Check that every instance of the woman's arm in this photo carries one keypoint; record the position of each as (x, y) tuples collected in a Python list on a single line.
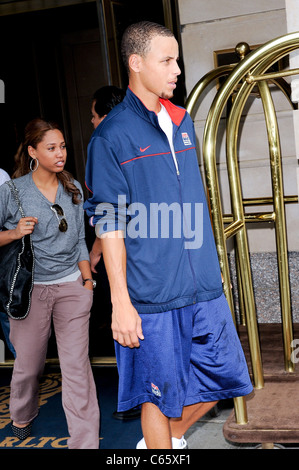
[(25, 226), (84, 267)]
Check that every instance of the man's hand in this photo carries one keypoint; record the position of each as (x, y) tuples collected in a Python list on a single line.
[(95, 254), (126, 326), (126, 323), (94, 260)]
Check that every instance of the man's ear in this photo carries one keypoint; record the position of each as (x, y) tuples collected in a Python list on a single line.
[(135, 61)]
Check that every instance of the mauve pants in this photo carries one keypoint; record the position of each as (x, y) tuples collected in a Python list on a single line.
[(69, 305)]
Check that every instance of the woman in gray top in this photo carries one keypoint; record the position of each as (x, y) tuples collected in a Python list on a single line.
[(52, 201)]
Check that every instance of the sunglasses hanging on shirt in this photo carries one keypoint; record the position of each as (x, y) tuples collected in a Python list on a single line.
[(58, 211)]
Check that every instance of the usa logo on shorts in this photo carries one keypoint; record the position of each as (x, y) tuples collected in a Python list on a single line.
[(186, 138), (155, 390)]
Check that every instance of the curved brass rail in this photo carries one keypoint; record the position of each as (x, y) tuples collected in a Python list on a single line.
[(253, 65), (264, 56), (203, 83)]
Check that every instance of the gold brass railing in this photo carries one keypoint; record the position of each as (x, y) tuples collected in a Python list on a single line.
[(249, 72)]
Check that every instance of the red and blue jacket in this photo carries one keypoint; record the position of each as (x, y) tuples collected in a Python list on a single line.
[(159, 203)]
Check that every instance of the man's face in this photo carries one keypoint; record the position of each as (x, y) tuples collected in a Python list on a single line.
[(95, 118), (159, 68)]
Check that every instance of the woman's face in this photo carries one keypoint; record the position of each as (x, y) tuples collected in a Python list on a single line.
[(50, 152)]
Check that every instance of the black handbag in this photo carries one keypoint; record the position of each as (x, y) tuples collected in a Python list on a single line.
[(16, 271)]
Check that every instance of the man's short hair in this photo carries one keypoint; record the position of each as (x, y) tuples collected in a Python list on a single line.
[(106, 97), (137, 37)]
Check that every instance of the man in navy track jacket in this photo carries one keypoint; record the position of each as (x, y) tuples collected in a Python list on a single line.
[(176, 345)]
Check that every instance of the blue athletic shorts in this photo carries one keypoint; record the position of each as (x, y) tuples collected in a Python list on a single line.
[(188, 355)]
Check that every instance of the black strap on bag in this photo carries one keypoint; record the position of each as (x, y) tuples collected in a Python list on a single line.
[(16, 271)]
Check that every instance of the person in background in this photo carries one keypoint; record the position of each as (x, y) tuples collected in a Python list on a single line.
[(63, 286), (176, 344), (4, 176), (104, 99)]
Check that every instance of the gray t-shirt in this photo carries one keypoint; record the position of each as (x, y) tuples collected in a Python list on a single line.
[(56, 253)]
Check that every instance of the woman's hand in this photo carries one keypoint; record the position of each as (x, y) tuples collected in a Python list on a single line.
[(84, 267), (88, 285), (25, 226)]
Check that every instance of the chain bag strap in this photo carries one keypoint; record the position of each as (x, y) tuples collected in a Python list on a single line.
[(16, 271)]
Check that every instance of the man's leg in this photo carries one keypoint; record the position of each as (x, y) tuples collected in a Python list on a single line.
[(191, 414), (158, 429), (155, 427)]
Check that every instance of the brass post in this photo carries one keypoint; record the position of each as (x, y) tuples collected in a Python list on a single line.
[(241, 237), (280, 228), (240, 410)]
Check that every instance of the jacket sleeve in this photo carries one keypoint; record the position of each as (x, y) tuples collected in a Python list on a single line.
[(110, 196)]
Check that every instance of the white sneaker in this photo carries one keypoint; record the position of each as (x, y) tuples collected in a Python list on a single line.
[(176, 443), (179, 443)]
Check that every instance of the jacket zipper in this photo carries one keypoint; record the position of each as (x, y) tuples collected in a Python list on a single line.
[(181, 202), (175, 163)]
